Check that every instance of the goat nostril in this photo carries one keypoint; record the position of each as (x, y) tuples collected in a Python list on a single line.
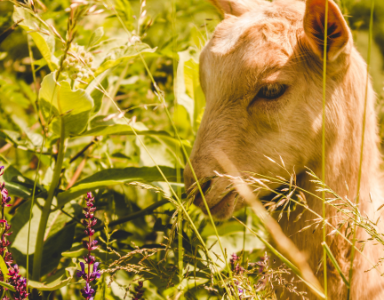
[(205, 187)]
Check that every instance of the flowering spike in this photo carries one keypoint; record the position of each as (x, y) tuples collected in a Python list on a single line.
[(90, 245), (18, 282), (139, 291)]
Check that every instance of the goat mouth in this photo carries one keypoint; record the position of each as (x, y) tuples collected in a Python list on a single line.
[(224, 207), (221, 209)]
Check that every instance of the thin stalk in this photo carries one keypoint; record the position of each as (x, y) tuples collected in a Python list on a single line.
[(335, 264), (323, 143), (362, 141), (34, 79), (180, 246), (244, 236), (37, 260), (38, 163), (177, 151)]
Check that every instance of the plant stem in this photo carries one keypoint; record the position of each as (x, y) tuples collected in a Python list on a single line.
[(178, 153), (323, 143), (47, 206)]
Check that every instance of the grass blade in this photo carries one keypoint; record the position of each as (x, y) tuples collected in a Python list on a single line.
[(334, 262)]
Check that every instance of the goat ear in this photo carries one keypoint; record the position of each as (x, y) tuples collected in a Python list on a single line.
[(235, 7), (339, 36)]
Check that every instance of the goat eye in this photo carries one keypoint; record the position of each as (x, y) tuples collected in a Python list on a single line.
[(271, 91)]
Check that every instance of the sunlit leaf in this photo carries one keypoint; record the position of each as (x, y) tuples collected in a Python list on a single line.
[(188, 89), (110, 177), (60, 241), (7, 285), (79, 252), (45, 43), (19, 185), (54, 282), (4, 268), (96, 36), (124, 11), (119, 129), (58, 99), (122, 54)]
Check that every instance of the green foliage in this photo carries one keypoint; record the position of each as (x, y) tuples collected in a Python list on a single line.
[(94, 83), (57, 99), (111, 177), (45, 43)]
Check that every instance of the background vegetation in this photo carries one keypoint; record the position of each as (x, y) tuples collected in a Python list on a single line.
[(138, 104)]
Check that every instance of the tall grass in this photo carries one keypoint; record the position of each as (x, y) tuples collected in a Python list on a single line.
[(325, 56)]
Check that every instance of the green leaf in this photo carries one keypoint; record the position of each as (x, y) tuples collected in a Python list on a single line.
[(62, 97), (45, 43), (122, 54), (16, 139), (54, 282), (154, 138), (58, 219), (8, 286), (156, 152), (110, 177), (4, 268), (79, 252), (35, 138), (186, 285), (188, 89), (124, 11), (58, 99), (54, 245), (120, 129), (19, 185), (96, 36)]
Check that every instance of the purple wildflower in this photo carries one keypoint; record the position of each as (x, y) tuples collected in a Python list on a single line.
[(139, 291), (18, 282), (90, 245), (235, 267), (88, 292), (263, 262), (82, 272), (233, 260), (95, 274)]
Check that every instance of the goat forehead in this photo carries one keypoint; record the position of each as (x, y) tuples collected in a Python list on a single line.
[(258, 46), (261, 48), (253, 28), (229, 31)]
